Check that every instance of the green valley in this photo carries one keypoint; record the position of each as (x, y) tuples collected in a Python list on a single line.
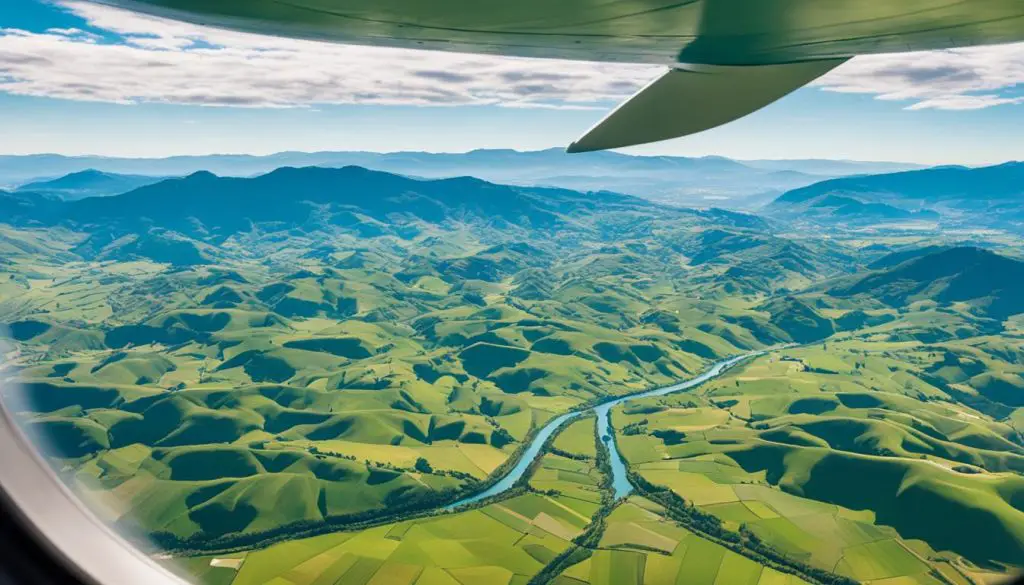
[(286, 379)]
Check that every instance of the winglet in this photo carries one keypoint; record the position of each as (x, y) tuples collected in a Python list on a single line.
[(692, 98)]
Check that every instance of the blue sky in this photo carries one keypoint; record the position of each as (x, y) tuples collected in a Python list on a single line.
[(82, 79)]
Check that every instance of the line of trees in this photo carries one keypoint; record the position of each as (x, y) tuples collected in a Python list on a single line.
[(635, 428), (568, 455)]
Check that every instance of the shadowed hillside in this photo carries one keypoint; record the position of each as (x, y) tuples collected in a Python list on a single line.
[(991, 282)]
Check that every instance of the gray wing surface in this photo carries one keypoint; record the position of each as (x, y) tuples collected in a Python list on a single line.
[(690, 99)]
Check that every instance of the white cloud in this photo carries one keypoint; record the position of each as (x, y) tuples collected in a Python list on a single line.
[(163, 61), (169, 62), (73, 32), (958, 79)]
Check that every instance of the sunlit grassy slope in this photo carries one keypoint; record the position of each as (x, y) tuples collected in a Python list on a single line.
[(243, 368)]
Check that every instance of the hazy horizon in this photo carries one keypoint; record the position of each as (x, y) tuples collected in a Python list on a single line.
[(624, 152)]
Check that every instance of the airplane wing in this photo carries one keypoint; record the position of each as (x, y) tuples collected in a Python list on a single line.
[(692, 98)]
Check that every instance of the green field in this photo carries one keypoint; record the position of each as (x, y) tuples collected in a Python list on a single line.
[(626, 556), (578, 438)]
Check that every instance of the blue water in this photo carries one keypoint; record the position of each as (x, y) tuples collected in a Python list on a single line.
[(620, 482)]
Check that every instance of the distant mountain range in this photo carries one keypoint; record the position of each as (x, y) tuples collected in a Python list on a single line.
[(204, 202), (703, 181), (166, 220), (88, 183), (953, 196), (950, 197), (186, 221)]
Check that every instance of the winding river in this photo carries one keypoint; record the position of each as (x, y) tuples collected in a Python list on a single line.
[(620, 482)]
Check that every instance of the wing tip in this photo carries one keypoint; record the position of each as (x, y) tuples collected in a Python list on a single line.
[(575, 147)]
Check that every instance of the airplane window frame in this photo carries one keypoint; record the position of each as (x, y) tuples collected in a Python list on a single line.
[(49, 536)]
